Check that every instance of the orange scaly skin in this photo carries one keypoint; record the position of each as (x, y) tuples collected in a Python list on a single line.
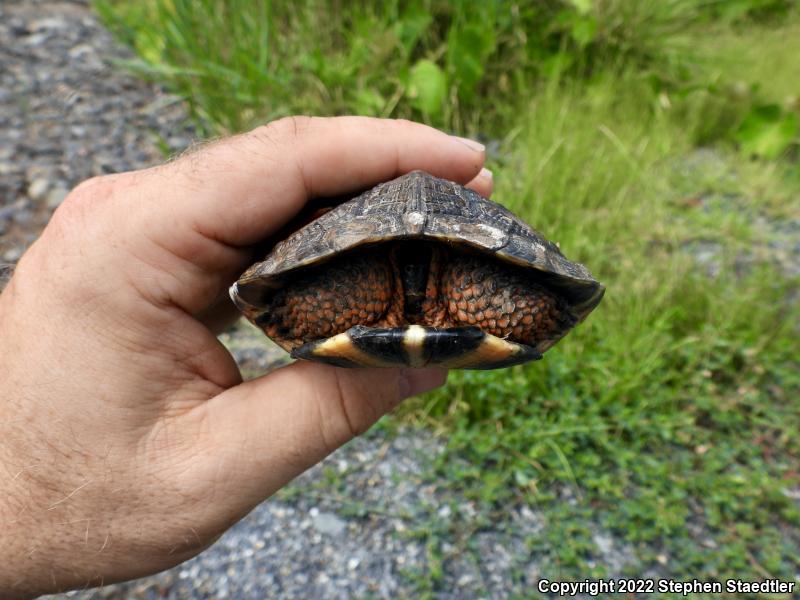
[(330, 299), (366, 289), (501, 301)]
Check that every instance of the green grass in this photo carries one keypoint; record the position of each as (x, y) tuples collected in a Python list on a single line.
[(761, 56), (241, 62), (671, 414), (672, 404)]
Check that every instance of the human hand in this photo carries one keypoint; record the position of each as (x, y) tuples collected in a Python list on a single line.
[(128, 442)]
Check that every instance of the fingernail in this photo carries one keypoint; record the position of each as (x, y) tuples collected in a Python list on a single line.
[(417, 381), (471, 144), (486, 174)]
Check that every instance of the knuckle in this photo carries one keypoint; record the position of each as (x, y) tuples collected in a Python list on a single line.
[(284, 130), (406, 125), (84, 198)]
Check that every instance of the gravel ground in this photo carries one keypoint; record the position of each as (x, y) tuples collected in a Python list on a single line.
[(66, 114), (775, 241), (355, 526), (360, 524)]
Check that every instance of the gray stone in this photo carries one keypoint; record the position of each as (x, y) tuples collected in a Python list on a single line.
[(604, 543), (56, 196), (62, 108), (707, 254), (47, 23), (328, 524), (12, 255), (38, 189)]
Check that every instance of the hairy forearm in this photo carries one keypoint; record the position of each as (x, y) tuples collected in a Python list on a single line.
[(16, 581), (28, 564), (41, 539)]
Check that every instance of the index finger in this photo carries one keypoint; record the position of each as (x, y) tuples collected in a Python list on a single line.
[(244, 188)]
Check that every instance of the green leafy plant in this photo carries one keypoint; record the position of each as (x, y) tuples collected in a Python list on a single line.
[(767, 131), (427, 88)]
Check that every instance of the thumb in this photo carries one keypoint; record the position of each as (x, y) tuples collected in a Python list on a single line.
[(269, 430)]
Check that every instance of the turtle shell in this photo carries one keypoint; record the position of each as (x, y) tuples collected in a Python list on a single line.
[(415, 232)]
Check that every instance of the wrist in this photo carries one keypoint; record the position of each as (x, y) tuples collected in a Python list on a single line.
[(15, 579), (34, 559)]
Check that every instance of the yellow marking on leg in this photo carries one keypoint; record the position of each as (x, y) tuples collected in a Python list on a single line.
[(341, 346), (492, 349)]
